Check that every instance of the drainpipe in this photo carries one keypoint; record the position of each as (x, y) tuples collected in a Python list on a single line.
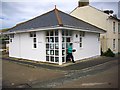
[(60, 46)]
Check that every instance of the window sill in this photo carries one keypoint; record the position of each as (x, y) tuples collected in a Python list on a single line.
[(34, 48), (80, 48)]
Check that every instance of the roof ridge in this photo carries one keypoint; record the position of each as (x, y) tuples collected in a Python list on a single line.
[(58, 17)]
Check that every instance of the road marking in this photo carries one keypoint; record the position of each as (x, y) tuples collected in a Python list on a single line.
[(93, 84)]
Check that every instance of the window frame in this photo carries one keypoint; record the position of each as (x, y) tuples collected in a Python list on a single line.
[(114, 27), (118, 27), (81, 35), (114, 44), (32, 34)]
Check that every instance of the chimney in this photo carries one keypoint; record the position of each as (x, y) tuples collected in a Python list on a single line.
[(82, 3)]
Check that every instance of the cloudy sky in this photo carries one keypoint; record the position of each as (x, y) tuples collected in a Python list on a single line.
[(16, 11)]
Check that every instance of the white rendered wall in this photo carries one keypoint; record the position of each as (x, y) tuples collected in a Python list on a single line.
[(14, 46), (91, 46), (22, 47)]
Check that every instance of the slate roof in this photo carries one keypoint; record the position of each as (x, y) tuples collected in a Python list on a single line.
[(55, 18)]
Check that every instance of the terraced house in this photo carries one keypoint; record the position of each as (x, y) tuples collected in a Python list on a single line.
[(102, 19), (46, 38)]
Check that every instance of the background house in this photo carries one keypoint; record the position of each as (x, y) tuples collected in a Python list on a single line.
[(102, 19), (46, 38)]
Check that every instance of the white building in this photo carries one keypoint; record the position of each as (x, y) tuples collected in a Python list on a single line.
[(46, 37)]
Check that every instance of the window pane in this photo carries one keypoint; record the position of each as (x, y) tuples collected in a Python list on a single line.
[(31, 35), (34, 34), (70, 33), (56, 46), (119, 27), (63, 59), (63, 39), (47, 39), (113, 26), (63, 32), (51, 39), (51, 33), (51, 52), (113, 43), (63, 52), (80, 39), (47, 45), (66, 32), (11, 35), (56, 39), (56, 52), (80, 44), (51, 45), (47, 52), (47, 33), (68, 39), (67, 45), (47, 58), (56, 59), (10, 40), (56, 32), (52, 58), (35, 46), (34, 40), (63, 45)]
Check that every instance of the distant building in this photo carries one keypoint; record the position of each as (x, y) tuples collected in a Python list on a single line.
[(46, 38), (101, 19)]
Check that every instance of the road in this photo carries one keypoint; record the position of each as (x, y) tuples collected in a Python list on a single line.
[(105, 75), (79, 75)]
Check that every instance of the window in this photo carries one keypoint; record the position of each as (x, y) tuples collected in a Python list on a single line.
[(35, 46), (82, 34), (52, 46), (11, 35), (98, 37), (34, 39), (32, 34), (80, 41), (10, 40), (114, 27), (34, 42), (118, 27), (113, 44), (80, 38)]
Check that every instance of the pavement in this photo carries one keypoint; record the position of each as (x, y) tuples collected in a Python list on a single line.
[(81, 64), (19, 73), (15, 74)]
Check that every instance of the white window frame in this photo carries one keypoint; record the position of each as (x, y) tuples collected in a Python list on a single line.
[(33, 36), (114, 27), (81, 35), (114, 44), (118, 27)]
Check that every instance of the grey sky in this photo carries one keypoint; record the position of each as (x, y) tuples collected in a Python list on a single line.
[(16, 12)]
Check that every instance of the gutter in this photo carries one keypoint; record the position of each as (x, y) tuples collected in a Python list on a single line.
[(65, 27)]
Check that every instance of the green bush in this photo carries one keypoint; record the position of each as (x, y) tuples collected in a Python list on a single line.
[(109, 53)]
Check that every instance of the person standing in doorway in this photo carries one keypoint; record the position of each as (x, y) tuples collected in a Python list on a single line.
[(69, 53)]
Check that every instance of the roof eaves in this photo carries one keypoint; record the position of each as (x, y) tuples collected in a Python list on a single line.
[(115, 18)]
